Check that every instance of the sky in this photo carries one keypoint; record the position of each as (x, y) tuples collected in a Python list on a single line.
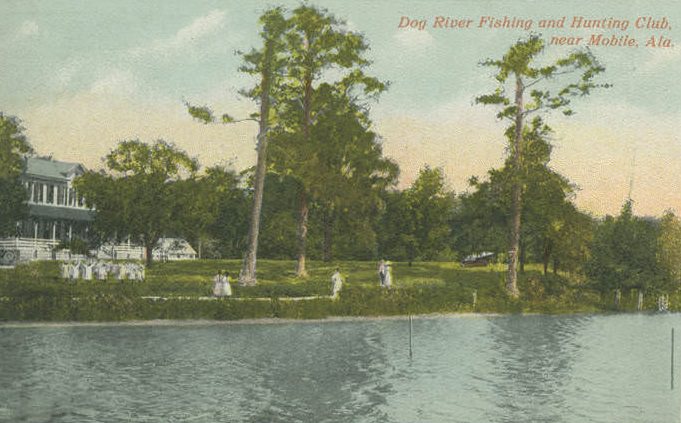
[(84, 75)]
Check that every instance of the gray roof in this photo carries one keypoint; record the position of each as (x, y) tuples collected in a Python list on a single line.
[(51, 168), (61, 213)]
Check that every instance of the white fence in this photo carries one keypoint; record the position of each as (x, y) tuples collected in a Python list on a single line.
[(46, 249), (37, 249)]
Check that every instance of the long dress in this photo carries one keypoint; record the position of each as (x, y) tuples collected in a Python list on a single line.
[(336, 284), (226, 287), (87, 272), (388, 277), (75, 271), (382, 272), (217, 285)]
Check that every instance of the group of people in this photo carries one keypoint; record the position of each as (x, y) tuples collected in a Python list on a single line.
[(221, 284), (223, 288), (100, 270), (384, 275)]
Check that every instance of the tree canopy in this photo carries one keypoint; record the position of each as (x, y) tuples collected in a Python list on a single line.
[(138, 196), (13, 148)]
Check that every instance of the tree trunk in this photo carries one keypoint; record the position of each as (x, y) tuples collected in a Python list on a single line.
[(328, 235), (522, 257), (516, 207), (546, 256), (149, 253), (247, 276), (639, 303), (304, 208), (618, 297), (556, 263), (302, 235)]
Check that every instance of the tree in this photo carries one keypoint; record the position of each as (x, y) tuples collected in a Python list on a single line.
[(316, 43), (554, 231), (517, 69), (13, 147), (669, 248), (417, 221), (266, 63), (346, 158), (232, 207), (211, 212), (624, 253), (137, 197)]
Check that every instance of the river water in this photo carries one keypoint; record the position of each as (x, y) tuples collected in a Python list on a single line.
[(606, 368)]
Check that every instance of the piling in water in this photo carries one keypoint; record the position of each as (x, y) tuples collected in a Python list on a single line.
[(410, 332)]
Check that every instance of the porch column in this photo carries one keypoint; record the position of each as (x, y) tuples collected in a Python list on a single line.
[(32, 191), (35, 240), (54, 231), (70, 231), (44, 194), (68, 188), (55, 196)]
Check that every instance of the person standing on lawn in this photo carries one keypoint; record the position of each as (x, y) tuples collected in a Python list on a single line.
[(387, 279), (336, 283), (381, 272), (217, 284), (226, 287)]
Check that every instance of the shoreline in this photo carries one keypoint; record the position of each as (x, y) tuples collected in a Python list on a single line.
[(282, 321), (248, 321)]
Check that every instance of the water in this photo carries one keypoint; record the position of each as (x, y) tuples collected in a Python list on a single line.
[(465, 369)]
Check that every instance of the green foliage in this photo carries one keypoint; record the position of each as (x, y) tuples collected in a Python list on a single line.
[(624, 253), (519, 62), (13, 148), (416, 223), (35, 292), (517, 72), (322, 132), (141, 196), (201, 113), (75, 246), (669, 248)]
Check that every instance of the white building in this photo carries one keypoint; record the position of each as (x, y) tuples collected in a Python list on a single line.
[(57, 214)]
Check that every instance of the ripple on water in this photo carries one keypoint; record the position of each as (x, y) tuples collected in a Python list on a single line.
[(494, 369)]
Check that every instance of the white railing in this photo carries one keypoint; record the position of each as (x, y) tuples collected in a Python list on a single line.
[(45, 249)]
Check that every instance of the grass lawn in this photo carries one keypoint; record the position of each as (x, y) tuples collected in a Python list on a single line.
[(35, 292)]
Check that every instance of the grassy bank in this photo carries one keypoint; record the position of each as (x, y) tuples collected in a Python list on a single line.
[(35, 292)]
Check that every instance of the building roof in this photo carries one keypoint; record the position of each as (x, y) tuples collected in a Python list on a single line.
[(61, 213), (52, 169)]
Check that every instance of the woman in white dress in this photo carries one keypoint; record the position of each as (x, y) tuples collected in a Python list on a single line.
[(336, 283), (387, 281), (217, 284), (226, 286)]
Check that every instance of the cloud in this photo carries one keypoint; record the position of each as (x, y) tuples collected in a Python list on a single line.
[(28, 29), (185, 37), (660, 58), (413, 39), (118, 82)]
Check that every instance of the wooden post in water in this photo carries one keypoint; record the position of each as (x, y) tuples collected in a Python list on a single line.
[(475, 298), (672, 360), (410, 331)]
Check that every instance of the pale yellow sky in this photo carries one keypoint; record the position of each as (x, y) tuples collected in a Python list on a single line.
[(462, 139)]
